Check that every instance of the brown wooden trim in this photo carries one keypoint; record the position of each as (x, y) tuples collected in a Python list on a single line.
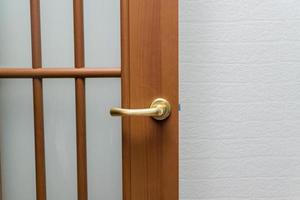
[(125, 80), (150, 70), (82, 188), (78, 33), (39, 139), (36, 34), (81, 140), (59, 72), (169, 89), (38, 101)]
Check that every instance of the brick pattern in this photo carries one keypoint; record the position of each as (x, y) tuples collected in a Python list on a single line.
[(240, 99)]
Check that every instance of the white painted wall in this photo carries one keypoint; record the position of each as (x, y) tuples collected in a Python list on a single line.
[(240, 96)]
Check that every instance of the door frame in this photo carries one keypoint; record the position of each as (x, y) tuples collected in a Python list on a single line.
[(149, 32)]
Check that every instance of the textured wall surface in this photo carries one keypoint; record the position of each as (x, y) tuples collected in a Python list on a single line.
[(240, 98)]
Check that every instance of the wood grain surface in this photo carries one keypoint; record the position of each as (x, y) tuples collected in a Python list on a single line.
[(82, 188), (150, 70), (38, 101)]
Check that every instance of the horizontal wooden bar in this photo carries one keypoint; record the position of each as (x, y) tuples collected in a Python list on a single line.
[(59, 72)]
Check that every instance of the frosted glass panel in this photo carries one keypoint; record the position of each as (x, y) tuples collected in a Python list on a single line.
[(103, 140), (60, 139), (17, 140), (15, 42), (57, 32), (102, 46), (102, 33)]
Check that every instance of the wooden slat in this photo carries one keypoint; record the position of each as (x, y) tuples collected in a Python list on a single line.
[(169, 90), (150, 70), (59, 72), (125, 80), (39, 139), (38, 101), (80, 101)]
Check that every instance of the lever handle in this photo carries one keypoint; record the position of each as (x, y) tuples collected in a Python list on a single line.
[(160, 109)]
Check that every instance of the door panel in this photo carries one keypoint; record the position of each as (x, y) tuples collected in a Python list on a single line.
[(15, 49), (60, 138), (103, 133), (16, 140), (102, 33), (104, 140), (57, 33)]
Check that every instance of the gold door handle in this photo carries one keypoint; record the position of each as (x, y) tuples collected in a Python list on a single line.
[(160, 109)]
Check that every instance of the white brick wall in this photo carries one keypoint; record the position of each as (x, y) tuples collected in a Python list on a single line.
[(240, 97)]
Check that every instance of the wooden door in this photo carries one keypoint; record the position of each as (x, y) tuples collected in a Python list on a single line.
[(149, 69)]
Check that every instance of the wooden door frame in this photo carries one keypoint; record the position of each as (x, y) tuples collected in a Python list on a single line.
[(149, 32), (149, 69)]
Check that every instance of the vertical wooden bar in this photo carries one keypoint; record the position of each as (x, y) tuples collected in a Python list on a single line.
[(80, 102), (125, 80), (38, 101)]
